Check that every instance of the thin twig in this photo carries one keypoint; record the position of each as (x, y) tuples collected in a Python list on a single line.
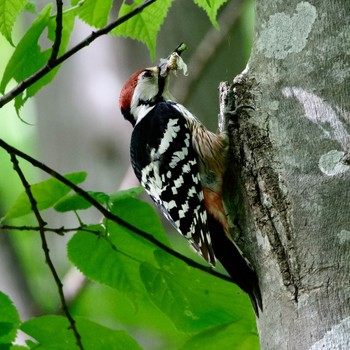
[(108, 215), (87, 41), (58, 34), (59, 230), (45, 247)]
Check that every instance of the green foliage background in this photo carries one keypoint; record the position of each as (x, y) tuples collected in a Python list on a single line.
[(136, 295)]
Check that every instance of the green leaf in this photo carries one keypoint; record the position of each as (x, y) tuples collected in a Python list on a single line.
[(97, 337), (131, 192), (192, 299), (211, 7), (95, 12), (141, 215), (117, 308), (145, 25), (28, 56), (9, 10), (72, 202), (9, 320), (75, 202), (114, 258), (101, 261), (46, 194), (54, 333), (236, 335), (30, 7)]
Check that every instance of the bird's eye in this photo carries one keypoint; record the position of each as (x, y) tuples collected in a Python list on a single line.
[(147, 74)]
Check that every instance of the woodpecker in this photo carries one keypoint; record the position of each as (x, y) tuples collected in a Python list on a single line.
[(181, 166)]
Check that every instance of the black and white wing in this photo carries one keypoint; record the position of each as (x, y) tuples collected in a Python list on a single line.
[(168, 170)]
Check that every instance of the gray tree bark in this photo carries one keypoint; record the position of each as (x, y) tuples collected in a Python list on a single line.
[(289, 181)]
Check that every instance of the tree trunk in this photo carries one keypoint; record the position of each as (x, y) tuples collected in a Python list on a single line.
[(289, 181)]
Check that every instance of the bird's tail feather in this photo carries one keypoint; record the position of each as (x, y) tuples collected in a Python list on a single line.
[(235, 264)]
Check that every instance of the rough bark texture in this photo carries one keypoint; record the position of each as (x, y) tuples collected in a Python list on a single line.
[(289, 179)]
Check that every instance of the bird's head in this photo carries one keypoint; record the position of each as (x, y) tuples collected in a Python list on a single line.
[(148, 86), (142, 90)]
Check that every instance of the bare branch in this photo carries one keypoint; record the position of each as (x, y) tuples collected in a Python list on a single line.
[(56, 62), (45, 247)]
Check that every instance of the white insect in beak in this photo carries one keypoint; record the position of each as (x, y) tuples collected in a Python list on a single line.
[(173, 63)]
